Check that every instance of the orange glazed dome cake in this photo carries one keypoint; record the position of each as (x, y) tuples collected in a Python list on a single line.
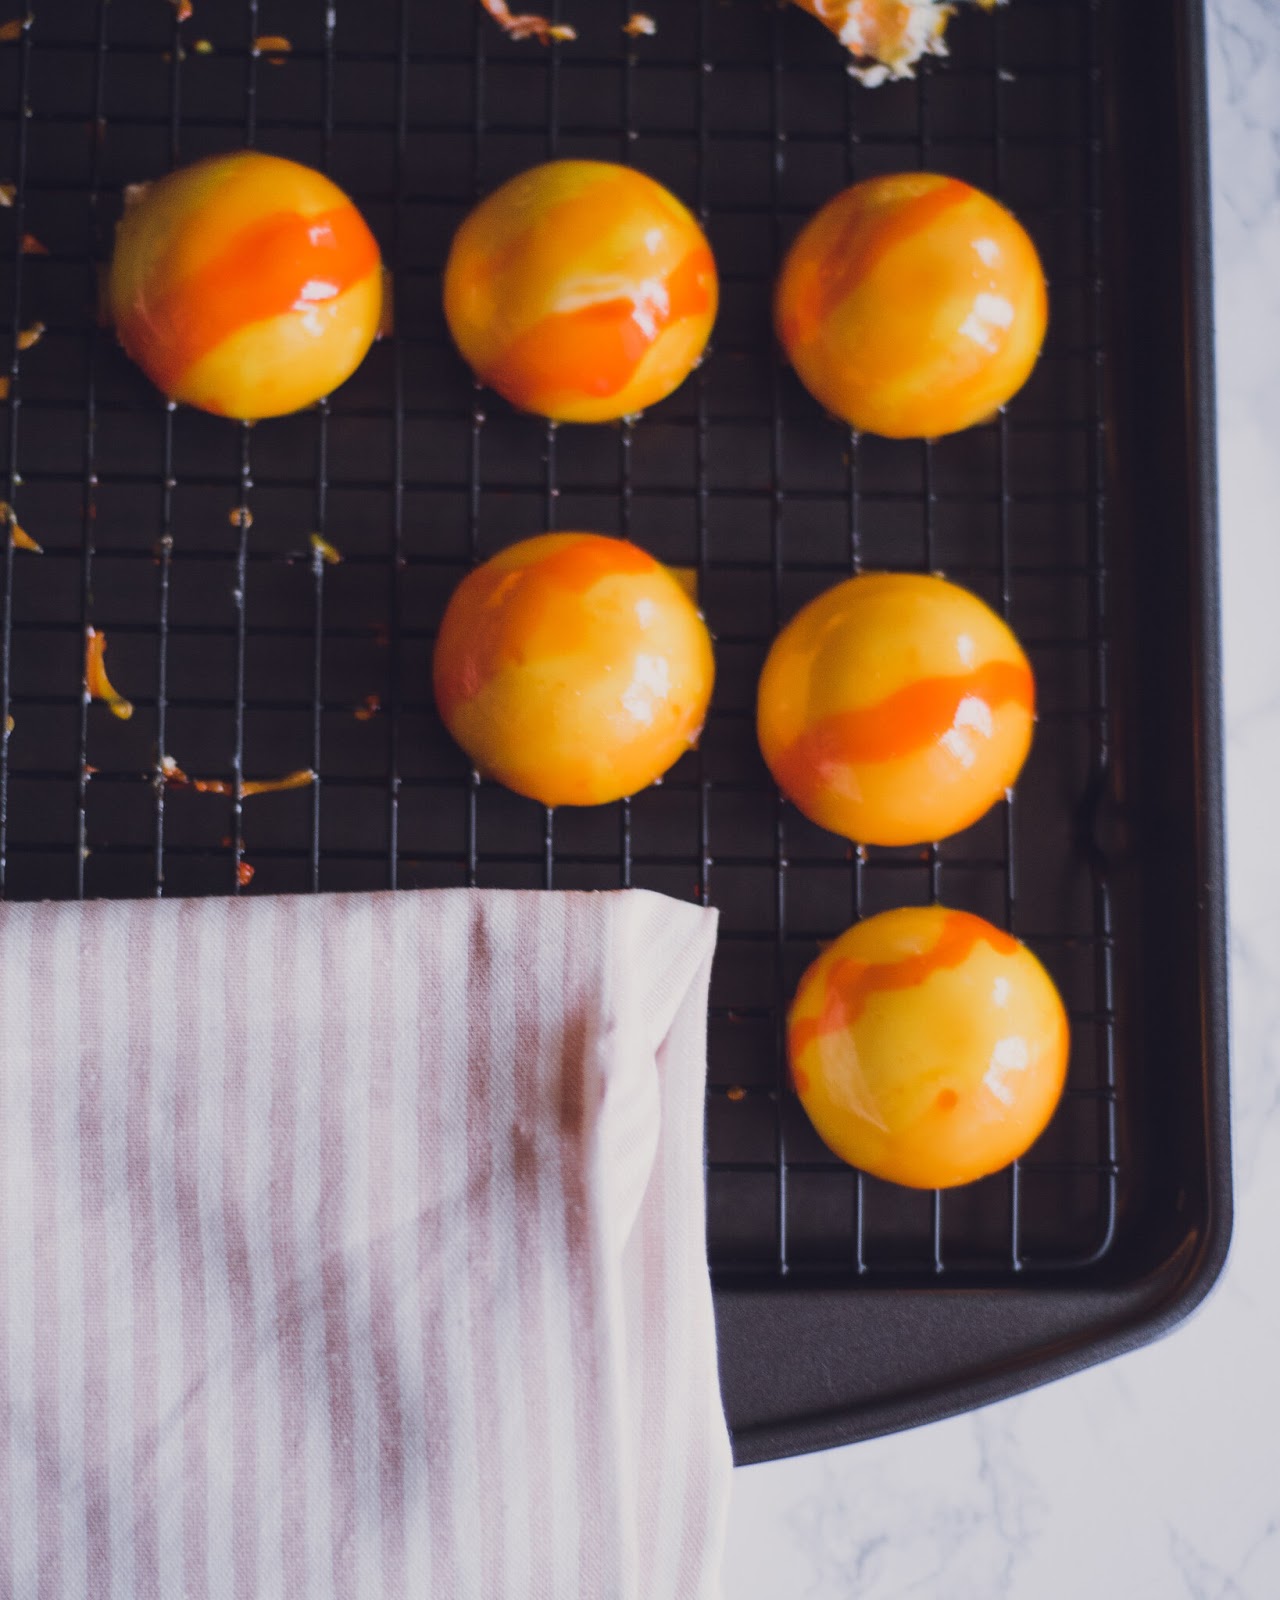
[(928, 1047), (246, 285), (581, 290), (895, 709), (573, 668), (912, 305)]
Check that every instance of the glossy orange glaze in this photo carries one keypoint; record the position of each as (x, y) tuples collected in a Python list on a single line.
[(928, 1047), (98, 685), (895, 708), (863, 240), (914, 719), (598, 349), (581, 290), (273, 265), (573, 668), (912, 305), (850, 983), (507, 608), (245, 284)]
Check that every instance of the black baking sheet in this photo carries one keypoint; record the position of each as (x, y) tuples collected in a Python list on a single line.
[(1085, 514)]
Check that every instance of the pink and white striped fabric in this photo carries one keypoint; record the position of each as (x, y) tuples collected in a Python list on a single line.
[(353, 1247)]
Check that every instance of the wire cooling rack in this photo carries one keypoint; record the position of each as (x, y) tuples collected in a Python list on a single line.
[(186, 540)]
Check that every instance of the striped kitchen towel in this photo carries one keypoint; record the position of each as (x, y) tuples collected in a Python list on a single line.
[(354, 1247)]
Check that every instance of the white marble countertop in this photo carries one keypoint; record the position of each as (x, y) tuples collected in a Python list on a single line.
[(1157, 1476)]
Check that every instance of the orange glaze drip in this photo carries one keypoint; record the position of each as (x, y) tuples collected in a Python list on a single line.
[(865, 238), (504, 606), (96, 682), (280, 263), (915, 718), (173, 774), (596, 349), (19, 538), (850, 983)]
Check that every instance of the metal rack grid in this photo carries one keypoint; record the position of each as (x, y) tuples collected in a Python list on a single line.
[(185, 539)]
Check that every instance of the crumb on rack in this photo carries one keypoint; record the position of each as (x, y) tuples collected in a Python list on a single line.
[(203, 47), (328, 553), (886, 38), (369, 708), (8, 193), (240, 517), (97, 686), (736, 1093), (527, 25), (639, 25), (244, 873), (31, 246), (9, 725), (274, 46), (4, 389), (30, 337), (9, 31), (183, 8)]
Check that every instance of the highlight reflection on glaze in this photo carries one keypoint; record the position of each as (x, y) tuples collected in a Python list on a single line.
[(928, 1047), (896, 708), (581, 290), (573, 668), (912, 305)]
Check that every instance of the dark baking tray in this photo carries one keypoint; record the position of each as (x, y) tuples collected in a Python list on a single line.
[(1086, 514)]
